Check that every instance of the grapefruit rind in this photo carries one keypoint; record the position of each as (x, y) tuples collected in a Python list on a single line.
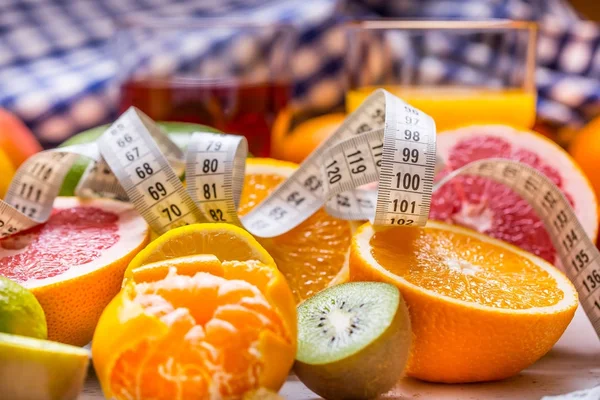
[(456, 341)]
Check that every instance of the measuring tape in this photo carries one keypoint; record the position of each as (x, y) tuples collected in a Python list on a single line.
[(385, 140)]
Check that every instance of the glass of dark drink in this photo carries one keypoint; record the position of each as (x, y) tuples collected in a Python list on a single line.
[(229, 74)]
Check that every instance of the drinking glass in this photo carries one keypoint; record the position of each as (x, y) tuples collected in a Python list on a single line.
[(459, 72), (228, 74)]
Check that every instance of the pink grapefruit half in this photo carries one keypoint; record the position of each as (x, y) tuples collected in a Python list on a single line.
[(74, 263), (492, 208)]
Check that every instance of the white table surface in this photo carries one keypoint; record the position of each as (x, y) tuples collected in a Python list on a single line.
[(573, 364)]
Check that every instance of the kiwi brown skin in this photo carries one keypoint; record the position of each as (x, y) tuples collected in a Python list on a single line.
[(367, 373)]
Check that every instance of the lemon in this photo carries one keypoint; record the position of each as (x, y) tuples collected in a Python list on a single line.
[(20, 312), (40, 369)]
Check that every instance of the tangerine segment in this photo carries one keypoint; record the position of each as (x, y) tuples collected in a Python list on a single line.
[(195, 328), (465, 268), (462, 289), (311, 256)]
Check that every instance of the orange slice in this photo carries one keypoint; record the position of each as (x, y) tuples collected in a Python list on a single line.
[(481, 309), (311, 256), (227, 242), (196, 328), (74, 263)]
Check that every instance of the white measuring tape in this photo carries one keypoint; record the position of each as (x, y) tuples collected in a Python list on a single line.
[(385, 140)]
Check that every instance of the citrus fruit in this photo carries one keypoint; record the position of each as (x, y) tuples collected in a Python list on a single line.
[(196, 327), (491, 207), (17, 141), (353, 340), (262, 394), (297, 144), (481, 309), (178, 132), (585, 149), (311, 256), (74, 263), (20, 312), (40, 369), (227, 242), (8, 171)]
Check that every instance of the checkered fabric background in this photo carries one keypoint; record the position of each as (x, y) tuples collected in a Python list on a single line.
[(57, 70)]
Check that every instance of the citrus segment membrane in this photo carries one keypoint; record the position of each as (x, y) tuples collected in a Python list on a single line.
[(217, 339), (464, 268), (217, 319), (343, 320)]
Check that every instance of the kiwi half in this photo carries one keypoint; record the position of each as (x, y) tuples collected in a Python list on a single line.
[(353, 340)]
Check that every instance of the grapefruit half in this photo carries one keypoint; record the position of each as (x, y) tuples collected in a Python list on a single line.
[(74, 263), (492, 208)]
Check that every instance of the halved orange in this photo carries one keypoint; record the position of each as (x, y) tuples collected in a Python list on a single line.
[(311, 256), (196, 328), (481, 309)]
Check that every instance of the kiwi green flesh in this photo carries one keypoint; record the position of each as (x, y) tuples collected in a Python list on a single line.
[(362, 366)]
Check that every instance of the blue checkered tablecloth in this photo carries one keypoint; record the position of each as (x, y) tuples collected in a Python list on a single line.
[(57, 70)]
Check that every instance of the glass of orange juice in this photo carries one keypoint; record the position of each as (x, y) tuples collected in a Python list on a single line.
[(459, 72)]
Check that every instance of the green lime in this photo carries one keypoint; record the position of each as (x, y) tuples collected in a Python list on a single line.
[(179, 132), (40, 369), (20, 312)]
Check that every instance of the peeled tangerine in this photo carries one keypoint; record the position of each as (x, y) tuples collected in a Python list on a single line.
[(197, 328)]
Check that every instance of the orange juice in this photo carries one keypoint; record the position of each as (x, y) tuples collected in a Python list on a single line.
[(451, 107)]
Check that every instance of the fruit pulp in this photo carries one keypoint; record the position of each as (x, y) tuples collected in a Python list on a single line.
[(451, 107), (471, 299), (312, 255), (209, 329), (493, 208), (464, 268), (71, 237), (232, 106)]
